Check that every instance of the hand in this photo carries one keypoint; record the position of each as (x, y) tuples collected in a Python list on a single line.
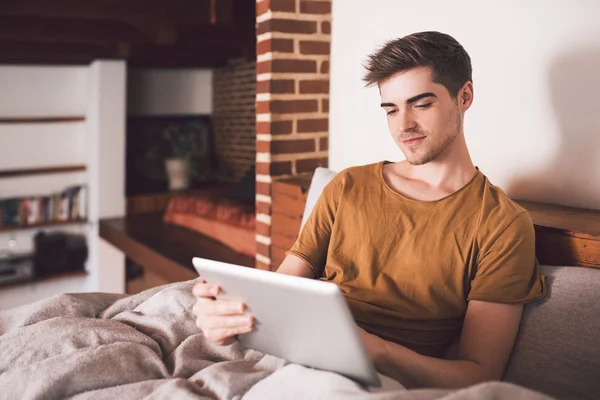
[(376, 346), (219, 320)]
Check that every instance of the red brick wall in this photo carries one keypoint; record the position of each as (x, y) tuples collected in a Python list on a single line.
[(234, 118), (292, 100)]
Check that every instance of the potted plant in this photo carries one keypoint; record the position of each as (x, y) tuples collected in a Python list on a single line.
[(181, 144)]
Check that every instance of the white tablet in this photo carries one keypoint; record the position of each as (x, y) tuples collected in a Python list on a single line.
[(302, 320)]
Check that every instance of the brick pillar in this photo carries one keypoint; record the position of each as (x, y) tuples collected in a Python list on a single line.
[(292, 99), (234, 126)]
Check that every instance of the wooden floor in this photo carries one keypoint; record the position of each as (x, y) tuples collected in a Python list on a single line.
[(164, 250)]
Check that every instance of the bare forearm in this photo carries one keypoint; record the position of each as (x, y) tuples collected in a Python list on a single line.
[(415, 370), (293, 265)]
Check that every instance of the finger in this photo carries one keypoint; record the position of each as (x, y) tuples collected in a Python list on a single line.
[(220, 335), (225, 307), (205, 290), (200, 306), (209, 322)]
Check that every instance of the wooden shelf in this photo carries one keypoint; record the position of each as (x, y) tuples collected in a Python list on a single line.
[(164, 249), (49, 278), (565, 235), (42, 225), (11, 173), (41, 120), (578, 221)]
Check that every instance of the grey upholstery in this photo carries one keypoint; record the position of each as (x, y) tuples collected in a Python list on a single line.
[(558, 347), (320, 179)]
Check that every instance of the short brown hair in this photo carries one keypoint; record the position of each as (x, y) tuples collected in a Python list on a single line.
[(448, 60)]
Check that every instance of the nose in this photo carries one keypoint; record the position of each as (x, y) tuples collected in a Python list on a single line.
[(405, 121)]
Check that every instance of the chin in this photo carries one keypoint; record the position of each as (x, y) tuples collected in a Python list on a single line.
[(419, 159), (414, 159), (416, 162)]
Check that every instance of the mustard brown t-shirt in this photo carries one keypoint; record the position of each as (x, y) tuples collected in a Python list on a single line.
[(407, 267)]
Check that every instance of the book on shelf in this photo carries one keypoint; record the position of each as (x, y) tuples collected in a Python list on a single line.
[(67, 205)]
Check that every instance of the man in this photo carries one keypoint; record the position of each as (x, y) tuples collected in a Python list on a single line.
[(427, 251)]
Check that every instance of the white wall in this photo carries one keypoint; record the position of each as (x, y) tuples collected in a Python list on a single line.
[(534, 128), (106, 169), (49, 91), (169, 91), (55, 144), (106, 130)]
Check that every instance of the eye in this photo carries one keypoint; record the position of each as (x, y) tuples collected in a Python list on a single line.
[(391, 112), (426, 105)]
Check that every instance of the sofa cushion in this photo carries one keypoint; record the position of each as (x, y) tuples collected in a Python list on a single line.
[(211, 214), (320, 179), (558, 347)]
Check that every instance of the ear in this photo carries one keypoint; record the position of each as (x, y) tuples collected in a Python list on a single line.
[(465, 96)]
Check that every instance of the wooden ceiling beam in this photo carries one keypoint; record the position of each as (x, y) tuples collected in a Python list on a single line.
[(36, 29), (181, 11), (168, 33), (200, 33), (206, 54), (14, 52), (198, 11), (223, 12)]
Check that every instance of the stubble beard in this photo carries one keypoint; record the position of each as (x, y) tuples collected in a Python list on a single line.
[(438, 149)]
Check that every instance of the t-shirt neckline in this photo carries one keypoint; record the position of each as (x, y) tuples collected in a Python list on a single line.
[(403, 197)]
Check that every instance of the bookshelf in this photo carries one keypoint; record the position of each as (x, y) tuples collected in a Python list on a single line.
[(63, 126), (40, 120), (4, 229), (42, 171)]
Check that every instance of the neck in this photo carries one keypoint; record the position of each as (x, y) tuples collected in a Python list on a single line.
[(451, 170)]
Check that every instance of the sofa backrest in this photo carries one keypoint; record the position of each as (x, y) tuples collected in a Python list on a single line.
[(558, 347), (320, 179)]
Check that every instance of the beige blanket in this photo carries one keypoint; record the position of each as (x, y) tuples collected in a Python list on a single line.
[(108, 346)]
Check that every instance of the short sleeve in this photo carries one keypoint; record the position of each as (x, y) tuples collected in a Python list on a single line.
[(508, 271), (313, 241)]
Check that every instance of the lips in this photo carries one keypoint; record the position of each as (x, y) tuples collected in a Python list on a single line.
[(413, 141)]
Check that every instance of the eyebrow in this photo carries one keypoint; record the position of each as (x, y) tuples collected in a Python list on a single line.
[(412, 99)]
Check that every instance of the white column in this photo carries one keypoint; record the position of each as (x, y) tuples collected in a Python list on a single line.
[(106, 114)]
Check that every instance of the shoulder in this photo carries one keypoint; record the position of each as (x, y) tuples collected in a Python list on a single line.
[(360, 174), (501, 215), (498, 205), (352, 179)]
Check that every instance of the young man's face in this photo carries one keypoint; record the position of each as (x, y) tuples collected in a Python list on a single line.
[(422, 116)]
